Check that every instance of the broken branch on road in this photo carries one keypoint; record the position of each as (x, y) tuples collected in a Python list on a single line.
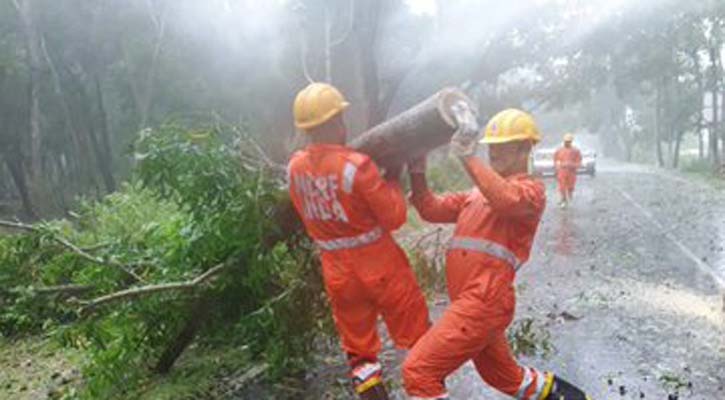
[(135, 292)]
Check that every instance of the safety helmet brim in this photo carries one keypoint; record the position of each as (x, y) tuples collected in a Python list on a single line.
[(322, 119)]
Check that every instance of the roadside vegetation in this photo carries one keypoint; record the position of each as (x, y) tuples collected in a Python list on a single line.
[(187, 252)]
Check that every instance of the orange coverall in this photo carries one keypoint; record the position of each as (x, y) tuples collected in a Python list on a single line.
[(567, 160), (349, 210), (495, 228)]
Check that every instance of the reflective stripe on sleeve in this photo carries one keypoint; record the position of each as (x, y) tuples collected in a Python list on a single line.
[(348, 177)]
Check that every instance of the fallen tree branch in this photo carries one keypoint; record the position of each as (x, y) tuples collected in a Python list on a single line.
[(135, 292), (70, 289), (62, 289), (75, 249)]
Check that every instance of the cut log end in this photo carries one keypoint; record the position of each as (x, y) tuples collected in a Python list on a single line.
[(447, 98)]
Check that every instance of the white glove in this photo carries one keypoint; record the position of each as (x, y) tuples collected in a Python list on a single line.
[(464, 141)]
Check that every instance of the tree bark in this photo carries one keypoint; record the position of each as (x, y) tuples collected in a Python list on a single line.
[(658, 126), (198, 317), (366, 30), (106, 164), (14, 164), (32, 40), (676, 154), (415, 132), (79, 143), (695, 56), (86, 121), (715, 79)]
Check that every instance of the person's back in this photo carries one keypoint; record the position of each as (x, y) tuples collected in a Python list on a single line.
[(349, 210), (339, 192)]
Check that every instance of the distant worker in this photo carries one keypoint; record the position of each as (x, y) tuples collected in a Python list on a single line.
[(349, 210), (496, 223), (567, 161)]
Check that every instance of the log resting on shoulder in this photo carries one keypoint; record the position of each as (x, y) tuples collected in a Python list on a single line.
[(420, 129)]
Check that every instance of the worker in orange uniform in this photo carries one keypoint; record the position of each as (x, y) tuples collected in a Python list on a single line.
[(349, 210), (495, 226), (566, 161)]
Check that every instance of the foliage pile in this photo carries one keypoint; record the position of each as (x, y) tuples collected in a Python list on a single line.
[(190, 247)]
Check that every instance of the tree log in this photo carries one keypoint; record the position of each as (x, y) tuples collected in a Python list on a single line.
[(428, 125), (198, 317)]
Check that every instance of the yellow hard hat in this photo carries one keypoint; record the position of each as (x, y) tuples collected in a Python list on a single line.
[(568, 137), (317, 104), (510, 126)]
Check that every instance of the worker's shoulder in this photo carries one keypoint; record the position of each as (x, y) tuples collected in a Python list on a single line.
[(357, 158), (531, 180), (296, 157)]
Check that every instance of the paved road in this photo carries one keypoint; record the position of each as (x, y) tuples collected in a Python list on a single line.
[(639, 259)]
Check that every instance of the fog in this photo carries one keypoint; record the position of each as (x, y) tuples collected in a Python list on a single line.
[(583, 66)]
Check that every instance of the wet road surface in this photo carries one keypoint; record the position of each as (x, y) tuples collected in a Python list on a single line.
[(638, 261)]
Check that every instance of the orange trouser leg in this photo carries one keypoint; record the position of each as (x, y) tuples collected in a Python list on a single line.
[(402, 304), (355, 315), (498, 368), (566, 181), (472, 322), (366, 284)]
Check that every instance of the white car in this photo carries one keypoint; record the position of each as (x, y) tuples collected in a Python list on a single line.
[(544, 162)]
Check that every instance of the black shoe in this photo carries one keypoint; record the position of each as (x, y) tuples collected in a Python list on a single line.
[(563, 390), (376, 392)]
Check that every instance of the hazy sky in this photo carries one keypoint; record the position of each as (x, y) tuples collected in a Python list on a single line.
[(422, 6)]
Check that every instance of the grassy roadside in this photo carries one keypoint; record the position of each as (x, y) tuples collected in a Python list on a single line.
[(37, 368), (702, 172)]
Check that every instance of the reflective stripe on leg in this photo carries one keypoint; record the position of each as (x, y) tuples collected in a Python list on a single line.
[(525, 383), (540, 384), (441, 397), (366, 376), (548, 386), (536, 385)]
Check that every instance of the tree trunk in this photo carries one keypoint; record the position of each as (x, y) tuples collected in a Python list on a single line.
[(695, 56), (80, 142), (14, 164), (107, 154), (676, 154), (86, 120), (658, 126), (198, 316), (32, 40), (366, 30), (328, 43), (422, 128), (714, 129), (714, 51)]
